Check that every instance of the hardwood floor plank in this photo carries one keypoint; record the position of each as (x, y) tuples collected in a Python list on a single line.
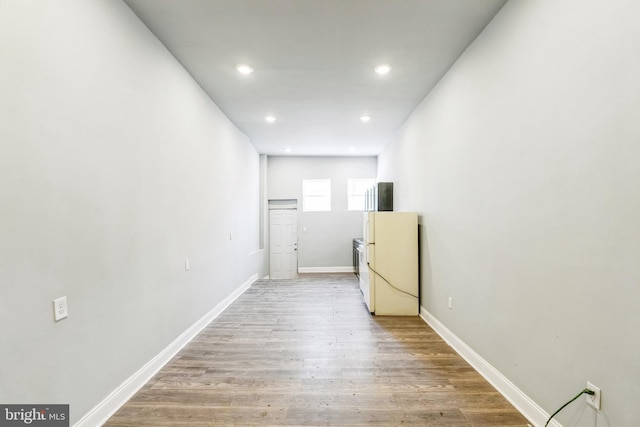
[(306, 352)]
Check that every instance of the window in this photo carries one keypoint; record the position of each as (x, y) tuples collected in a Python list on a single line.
[(316, 195), (355, 192)]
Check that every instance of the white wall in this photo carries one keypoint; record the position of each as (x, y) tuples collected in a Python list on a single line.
[(524, 166), (329, 236), (115, 167)]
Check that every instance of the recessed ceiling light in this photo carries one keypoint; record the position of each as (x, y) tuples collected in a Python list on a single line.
[(244, 69), (270, 119), (287, 150), (352, 149), (383, 69), (365, 119)]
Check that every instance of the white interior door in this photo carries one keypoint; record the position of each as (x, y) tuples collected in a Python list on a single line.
[(283, 246)]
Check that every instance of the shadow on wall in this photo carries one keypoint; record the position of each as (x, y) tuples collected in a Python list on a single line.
[(424, 264)]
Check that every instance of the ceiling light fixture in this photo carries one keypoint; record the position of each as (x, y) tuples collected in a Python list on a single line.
[(287, 150), (383, 69), (270, 119), (244, 69), (365, 119)]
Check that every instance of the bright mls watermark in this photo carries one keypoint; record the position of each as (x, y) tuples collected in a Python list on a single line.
[(34, 415)]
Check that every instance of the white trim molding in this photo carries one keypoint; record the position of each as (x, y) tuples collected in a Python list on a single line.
[(105, 409), (525, 405), (348, 269)]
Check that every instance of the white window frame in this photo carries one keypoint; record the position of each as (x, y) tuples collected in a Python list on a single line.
[(316, 195), (356, 187)]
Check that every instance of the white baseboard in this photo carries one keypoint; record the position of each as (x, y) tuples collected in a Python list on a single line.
[(525, 405), (105, 409), (348, 269)]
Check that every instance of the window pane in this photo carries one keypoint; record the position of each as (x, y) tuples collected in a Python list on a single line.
[(316, 195), (316, 204), (315, 188)]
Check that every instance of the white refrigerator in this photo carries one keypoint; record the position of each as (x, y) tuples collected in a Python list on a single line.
[(390, 280)]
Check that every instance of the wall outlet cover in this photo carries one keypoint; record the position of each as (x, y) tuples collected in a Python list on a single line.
[(60, 308), (593, 399)]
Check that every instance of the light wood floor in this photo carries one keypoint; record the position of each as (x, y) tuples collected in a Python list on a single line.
[(306, 352)]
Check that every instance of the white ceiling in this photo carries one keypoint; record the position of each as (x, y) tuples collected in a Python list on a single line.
[(314, 63)]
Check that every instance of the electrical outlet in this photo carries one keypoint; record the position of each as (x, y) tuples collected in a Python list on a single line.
[(186, 264), (60, 308), (593, 399), (450, 303)]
